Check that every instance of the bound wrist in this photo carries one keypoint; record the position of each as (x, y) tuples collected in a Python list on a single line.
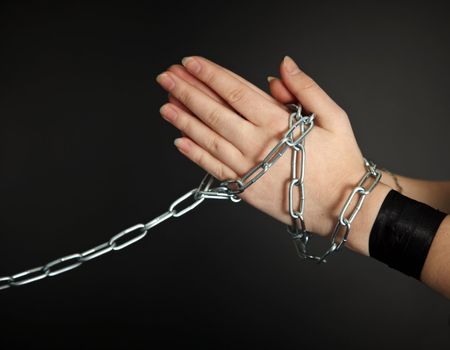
[(358, 239)]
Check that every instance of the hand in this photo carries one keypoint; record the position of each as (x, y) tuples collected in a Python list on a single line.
[(230, 125)]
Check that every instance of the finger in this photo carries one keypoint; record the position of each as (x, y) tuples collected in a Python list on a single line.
[(184, 74), (249, 84), (181, 72), (206, 138), (280, 91), (177, 103), (328, 114), (203, 159), (255, 88), (225, 122), (243, 99)]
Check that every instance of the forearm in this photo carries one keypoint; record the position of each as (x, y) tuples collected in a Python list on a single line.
[(436, 270), (434, 193)]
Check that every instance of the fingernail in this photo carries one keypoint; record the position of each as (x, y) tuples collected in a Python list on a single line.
[(165, 81), (191, 64), (168, 113), (291, 66), (270, 78), (177, 142)]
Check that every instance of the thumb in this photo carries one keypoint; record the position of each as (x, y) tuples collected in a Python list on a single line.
[(279, 91), (329, 115)]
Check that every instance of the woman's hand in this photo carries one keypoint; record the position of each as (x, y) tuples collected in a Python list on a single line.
[(229, 126)]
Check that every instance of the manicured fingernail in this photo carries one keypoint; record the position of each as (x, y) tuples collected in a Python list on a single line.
[(165, 81), (168, 113), (291, 66), (191, 64), (270, 78)]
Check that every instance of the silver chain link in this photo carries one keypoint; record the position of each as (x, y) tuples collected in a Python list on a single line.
[(228, 189), (298, 230), (343, 222)]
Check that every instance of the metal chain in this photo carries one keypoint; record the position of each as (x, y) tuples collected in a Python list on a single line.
[(228, 189), (231, 188), (119, 241), (343, 222), (298, 230)]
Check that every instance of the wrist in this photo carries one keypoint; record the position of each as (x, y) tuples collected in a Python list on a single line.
[(388, 179)]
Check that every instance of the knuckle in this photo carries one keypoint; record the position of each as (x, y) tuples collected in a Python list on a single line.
[(210, 77), (214, 117), (236, 95), (220, 172), (200, 159), (185, 97), (184, 125), (213, 144)]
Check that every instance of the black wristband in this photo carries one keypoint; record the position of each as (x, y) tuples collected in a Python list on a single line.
[(403, 232)]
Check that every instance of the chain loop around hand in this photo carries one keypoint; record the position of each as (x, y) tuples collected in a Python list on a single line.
[(299, 233)]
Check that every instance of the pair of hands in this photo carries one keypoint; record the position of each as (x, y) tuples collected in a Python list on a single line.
[(228, 125)]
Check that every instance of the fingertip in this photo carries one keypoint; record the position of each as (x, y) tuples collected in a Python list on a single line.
[(177, 142), (290, 66), (164, 107), (182, 144)]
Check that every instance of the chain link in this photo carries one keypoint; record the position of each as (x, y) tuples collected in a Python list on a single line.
[(343, 222), (298, 230), (228, 189)]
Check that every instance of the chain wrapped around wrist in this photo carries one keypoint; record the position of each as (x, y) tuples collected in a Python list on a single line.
[(228, 189), (301, 236)]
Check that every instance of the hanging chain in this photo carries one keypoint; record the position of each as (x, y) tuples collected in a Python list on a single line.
[(117, 242), (298, 230), (228, 189)]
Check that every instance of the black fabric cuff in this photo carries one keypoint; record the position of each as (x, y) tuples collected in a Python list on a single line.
[(403, 232)]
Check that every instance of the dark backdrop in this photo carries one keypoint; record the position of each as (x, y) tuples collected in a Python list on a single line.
[(84, 154)]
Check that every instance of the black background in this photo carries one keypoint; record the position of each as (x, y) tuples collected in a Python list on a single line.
[(84, 154)]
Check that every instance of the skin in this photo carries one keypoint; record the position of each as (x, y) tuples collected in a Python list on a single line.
[(228, 125)]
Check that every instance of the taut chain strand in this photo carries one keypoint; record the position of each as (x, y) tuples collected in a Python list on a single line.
[(228, 189)]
